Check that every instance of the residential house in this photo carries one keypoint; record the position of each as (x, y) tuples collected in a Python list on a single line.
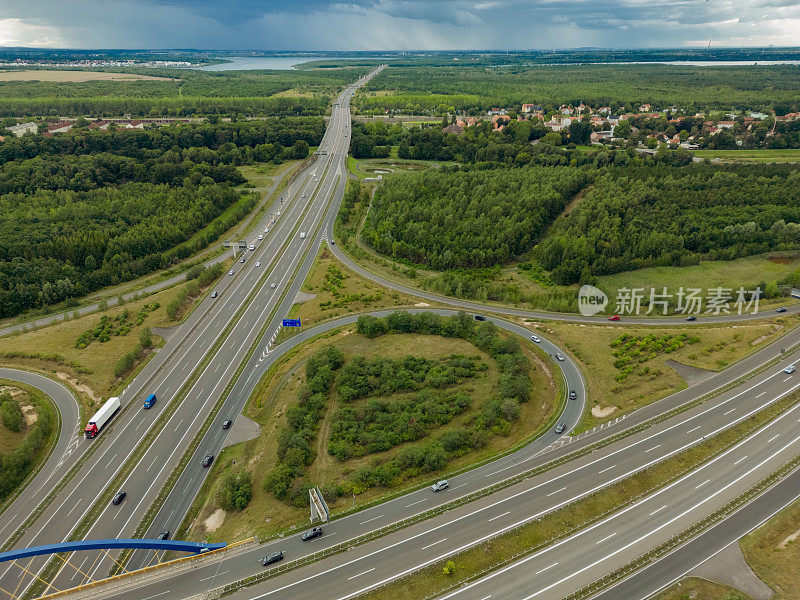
[(22, 128), (644, 108), (531, 108)]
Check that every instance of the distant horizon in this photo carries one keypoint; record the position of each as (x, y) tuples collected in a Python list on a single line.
[(391, 25), (771, 47)]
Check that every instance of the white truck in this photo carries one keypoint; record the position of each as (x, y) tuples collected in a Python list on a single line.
[(101, 417)]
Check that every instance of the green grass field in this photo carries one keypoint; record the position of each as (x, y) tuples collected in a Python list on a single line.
[(746, 272), (750, 156), (694, 588)]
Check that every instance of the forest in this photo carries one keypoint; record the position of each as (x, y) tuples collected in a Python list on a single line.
[(85, 210), (674, 217), (468, 219), (187, 92), (475, 89)]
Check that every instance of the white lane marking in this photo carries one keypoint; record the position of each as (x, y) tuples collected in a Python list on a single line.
[(761, 394), (698, 486), (605, 539), (178, 426), (111, 460), (728, 412), (740, 460), (787, 379), (653, 448), (417, 502), (360, 574), (156, 596), (368, 520), (559, 490), (151, 464), (434, 543), (545, 569), (658, 510), (773, 437), (212, 576), (606, 469), (508, 512), (694, 429)]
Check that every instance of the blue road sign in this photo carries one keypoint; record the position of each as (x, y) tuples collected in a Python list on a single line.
[(291, 322)]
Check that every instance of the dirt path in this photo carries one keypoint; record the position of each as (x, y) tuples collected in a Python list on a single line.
[(575, 201), (324, 461)]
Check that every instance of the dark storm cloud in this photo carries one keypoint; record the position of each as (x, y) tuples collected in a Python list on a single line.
[(391, 24)]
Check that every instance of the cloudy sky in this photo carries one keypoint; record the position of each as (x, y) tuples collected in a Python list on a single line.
[(394, 24)]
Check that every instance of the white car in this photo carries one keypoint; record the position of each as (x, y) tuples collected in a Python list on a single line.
[(302, 235), (559, 356), (260, 237), (251, 247), (230, 272), (278, 213), (535, 339), (789, 370), (440, 485), (258, 263), (272, 285)]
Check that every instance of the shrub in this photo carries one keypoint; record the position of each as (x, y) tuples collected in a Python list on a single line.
[(11, 413), (235, 492)]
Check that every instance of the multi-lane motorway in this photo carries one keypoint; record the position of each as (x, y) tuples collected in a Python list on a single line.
[(224, 345), (196, 364)]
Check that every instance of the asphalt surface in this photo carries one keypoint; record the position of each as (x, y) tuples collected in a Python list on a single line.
[(249, 289), (69, 438), (392, 556), (372, 564)]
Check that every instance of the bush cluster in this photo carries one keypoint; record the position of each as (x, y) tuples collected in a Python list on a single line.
[(631, 350), (11, 413), (15, 466), (235, 492)]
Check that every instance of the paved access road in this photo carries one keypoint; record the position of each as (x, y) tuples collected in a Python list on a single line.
[(245, 300), (69, 438), (390, 557)]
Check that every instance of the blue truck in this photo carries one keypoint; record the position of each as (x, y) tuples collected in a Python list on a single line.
[(151, 399)]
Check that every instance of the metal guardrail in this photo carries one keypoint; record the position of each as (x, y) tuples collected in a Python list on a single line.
[(160, 567)]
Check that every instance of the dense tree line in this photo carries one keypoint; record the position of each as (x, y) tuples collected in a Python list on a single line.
[(468, 219), (182, 93), (85, 210), (674, 217), (421, 89), (15, 466)]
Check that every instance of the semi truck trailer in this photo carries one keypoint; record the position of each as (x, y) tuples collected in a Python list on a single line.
[(101, 417)]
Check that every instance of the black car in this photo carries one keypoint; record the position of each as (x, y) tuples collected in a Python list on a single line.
[(480, 318), (572, 395), (272, 558), (209, 458), (691, 318), (561, 427), (226, 424), (781, 309), (164, 535), (118, 497), (311, 533)]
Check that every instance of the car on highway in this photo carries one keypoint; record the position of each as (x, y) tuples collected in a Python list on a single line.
[(310, 534), (260, 236), (613, 318), (214, 294), (572, 395), (251, 247), (278, 213), (561, 427), (535, 338), (789, 370), (480, 318), (559, 356), (691, 318), (164, 535), (258, 263), (227, 423), (272, 558), (207, 460), (241, 259), (230, 272), (304, 195), (781, 309), (118, 498), (272, 285), (440, 485), (333, 241), (302, 235)]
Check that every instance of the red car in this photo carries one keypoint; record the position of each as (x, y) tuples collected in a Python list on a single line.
[(614, 318)]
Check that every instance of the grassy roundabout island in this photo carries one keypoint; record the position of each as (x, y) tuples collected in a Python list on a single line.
[(375, 408)]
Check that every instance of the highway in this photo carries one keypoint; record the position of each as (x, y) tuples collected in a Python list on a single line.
[(69, 438), (244, 301), (235, 329), (414, 547)]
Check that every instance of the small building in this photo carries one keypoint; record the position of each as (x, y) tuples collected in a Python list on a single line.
[(22, 128), (644, 108), (531, 108), (454, 128), (496, 112)]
